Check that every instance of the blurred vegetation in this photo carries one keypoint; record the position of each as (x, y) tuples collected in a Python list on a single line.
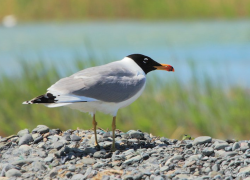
[(30, 10), (169, 109)]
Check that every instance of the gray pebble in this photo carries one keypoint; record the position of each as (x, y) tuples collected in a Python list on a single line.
[(23, 132), (107, 134), (216, 167), (38, 166), (49, 159), (132, 160), (221, 146), (135, 134), (38, 139), (158, 178), (128, 177), (202, 140), (41, 129), (25, 139), (100, 154), (88, 161), (74, 137), (13, 173), (58, 145), (208, 151), (164, 168)]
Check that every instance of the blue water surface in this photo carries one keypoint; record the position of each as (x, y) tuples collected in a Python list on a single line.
[(221, 49)]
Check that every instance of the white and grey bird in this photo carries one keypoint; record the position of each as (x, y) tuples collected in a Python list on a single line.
[(105, 88)]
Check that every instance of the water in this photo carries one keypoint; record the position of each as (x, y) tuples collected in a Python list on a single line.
[(218, 48)]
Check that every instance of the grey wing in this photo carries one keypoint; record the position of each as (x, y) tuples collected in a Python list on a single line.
[(109, 84)]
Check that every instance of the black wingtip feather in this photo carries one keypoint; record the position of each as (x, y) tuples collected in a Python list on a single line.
[(46, 98)]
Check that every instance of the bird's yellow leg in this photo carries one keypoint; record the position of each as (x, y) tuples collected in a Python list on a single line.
[(113, 130), (94, 124)]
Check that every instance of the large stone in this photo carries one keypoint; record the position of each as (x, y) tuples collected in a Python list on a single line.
[(23, 132), (37, 166), (41, 129), (25, 139), (219, 146), (25, 148), (13, 173), (58, 145), (74, 137), (245, 169), (136, 134), (208, 151), (202, 140), (132, 160), (236, 145), (88, 161)]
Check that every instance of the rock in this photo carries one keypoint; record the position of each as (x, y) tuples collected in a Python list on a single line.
[(189, 163), (101, 154), (99, 138), (135, 134), (213, 173), (229, 148), (23, 132), (208, 151), (202, 140), (72, 168), (229, 154), (41, 129), (25, 148), (13, 173), (88, 161), (216, 167), (22, 162), (53, 173), (25, 139), (38, 166), (245, 169), (98, 165), (58, 145), (132, 160), (219, 146), (74, 137), (48, 159), (164, 168), (176, 157), (182, 176), (38, 139), (128, 177), (158, 178), (107, 135), (5, 168)]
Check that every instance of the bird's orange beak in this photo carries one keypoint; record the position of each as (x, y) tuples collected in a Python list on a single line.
[(165, 67)]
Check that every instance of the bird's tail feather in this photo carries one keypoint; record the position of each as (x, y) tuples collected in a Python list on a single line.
[(51, 100), (47, 98)]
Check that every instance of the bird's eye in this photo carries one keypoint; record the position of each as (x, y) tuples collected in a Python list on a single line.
[(145, 60)]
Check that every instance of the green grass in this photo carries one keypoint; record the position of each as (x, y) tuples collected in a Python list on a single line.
[(30, 10), (169, 109)]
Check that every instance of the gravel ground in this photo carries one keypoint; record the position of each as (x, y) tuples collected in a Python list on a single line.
[(47, 153)]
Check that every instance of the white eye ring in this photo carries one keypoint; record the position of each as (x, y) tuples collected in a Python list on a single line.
[(145, 59)]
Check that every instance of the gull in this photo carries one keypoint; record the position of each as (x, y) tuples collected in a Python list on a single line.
[(105, 88)]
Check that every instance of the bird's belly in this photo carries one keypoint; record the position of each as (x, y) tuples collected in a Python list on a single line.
[(105, 107)]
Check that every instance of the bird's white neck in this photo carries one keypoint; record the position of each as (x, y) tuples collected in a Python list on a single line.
[(131, 64)]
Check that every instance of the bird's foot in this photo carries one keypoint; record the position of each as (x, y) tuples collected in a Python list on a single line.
[(98, 148)]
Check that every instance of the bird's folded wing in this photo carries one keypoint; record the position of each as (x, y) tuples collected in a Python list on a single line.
[(111, 84)]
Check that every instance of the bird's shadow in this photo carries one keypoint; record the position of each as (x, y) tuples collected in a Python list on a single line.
[(83, 150)]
